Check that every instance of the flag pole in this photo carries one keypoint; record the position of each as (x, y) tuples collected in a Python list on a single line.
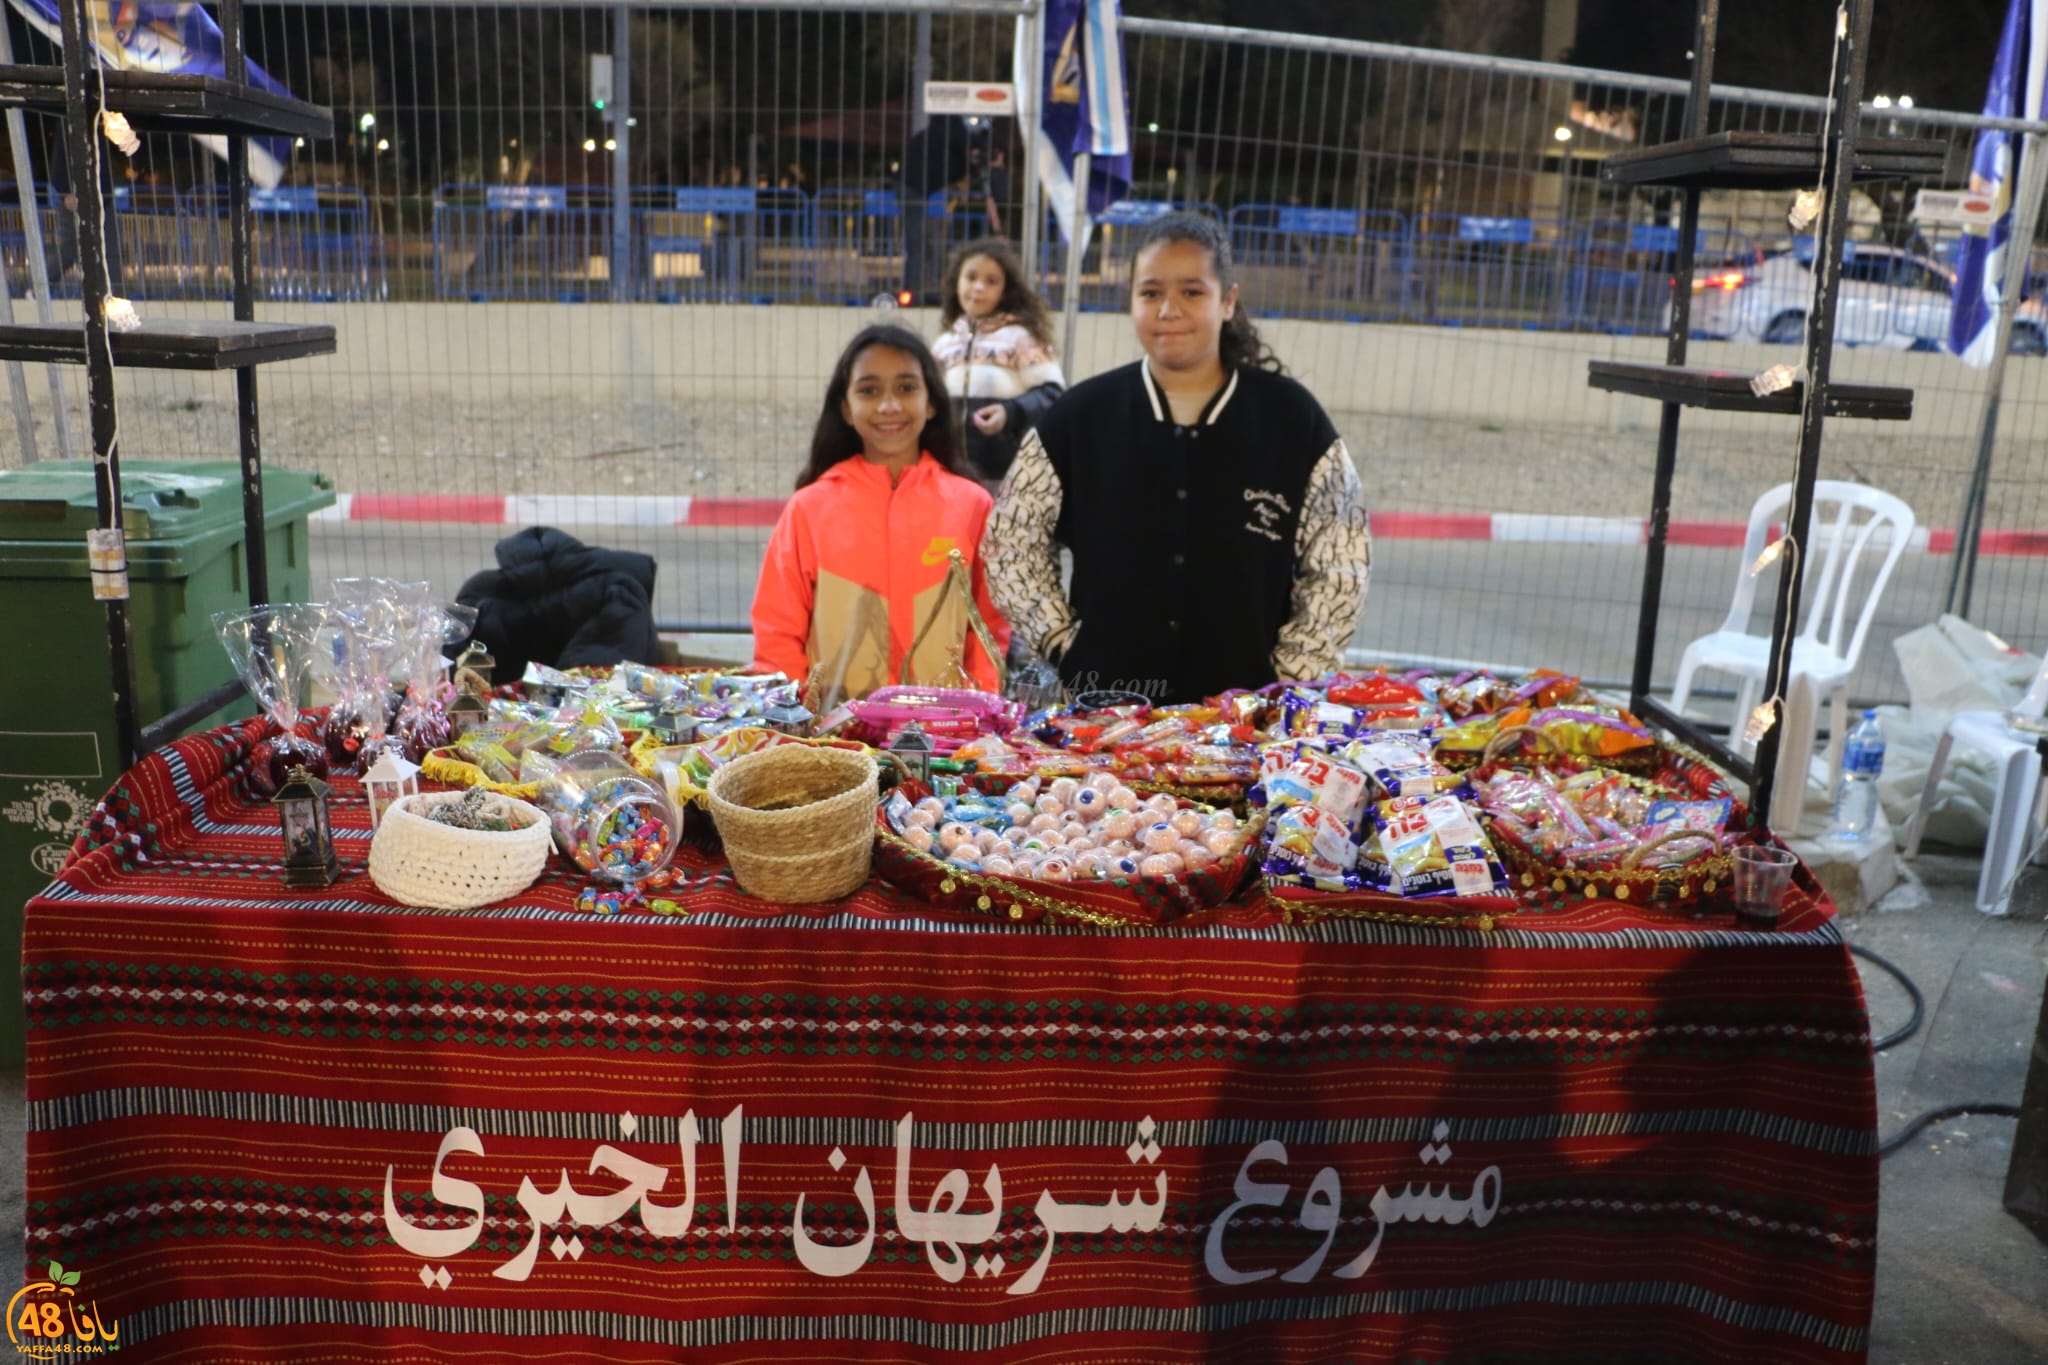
[(1081, 227), (2019, 247), (1029, 65)]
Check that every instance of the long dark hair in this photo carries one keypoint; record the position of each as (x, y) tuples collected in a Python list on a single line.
[(1241, 346), (1019, 299), (834, 440)]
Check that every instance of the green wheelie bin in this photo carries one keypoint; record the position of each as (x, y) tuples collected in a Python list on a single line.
[(58, 756)]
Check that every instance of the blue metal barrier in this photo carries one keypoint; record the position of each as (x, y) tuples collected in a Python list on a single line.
[(1473, 270), (1106, 275), (522, 242), (14, 239), (1300, 262), (856, 244), (1627, 269), (725, 245), (310, 243)]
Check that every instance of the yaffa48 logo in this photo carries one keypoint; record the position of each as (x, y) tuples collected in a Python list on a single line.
[(48, 1321)]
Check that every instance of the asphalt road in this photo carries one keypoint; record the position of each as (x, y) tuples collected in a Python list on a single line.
[(1565, 606)]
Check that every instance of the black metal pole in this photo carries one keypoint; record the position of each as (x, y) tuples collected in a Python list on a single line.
[(1837, 173), (241, 264), (1706, 22), (108, 555)]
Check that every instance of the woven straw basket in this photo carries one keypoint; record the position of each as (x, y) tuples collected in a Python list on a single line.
[(419, 862), (797, 821)]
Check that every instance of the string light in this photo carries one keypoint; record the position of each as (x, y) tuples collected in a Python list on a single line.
[(1766, 713)]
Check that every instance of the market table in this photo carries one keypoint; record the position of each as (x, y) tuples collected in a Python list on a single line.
[(310, 1125)]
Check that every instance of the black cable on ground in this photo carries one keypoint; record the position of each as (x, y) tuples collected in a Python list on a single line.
[(1951, 1111), (1891, 969), (1894, 1038)]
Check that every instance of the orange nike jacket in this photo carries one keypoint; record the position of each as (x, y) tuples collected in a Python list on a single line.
[(855, 567)]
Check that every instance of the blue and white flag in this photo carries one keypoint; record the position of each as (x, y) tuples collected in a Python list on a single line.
[(2017, 79), (1083, 106), (174, 40)]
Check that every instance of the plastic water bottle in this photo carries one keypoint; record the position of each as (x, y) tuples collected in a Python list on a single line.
[(1862, 762)]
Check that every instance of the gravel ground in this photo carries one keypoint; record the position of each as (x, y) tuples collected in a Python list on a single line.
[(752, 449)]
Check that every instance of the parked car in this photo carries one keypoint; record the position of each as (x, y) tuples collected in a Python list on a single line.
[(1890, 298)]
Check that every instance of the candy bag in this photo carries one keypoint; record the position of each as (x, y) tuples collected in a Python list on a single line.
[(1302, 713), (1309, 843), (1435, 847), (1399, 766), (1319, 780)]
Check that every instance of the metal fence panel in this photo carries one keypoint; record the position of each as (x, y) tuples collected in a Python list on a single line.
[(1423, 235)]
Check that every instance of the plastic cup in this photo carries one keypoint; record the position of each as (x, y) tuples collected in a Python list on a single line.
[(1762, 876)]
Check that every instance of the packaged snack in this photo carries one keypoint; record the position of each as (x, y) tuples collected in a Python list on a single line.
[(1467, 738), (1399, 766), (487, 751), (1708, 817), (1592, 734), (1303, 713), (1309, 842), (1435, 847), (1372, 690), (1319, 780)]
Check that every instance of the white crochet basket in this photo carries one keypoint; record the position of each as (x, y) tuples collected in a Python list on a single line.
[(420, 862)]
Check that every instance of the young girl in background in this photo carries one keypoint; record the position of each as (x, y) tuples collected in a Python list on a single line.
[(997, 352), (859, 556)]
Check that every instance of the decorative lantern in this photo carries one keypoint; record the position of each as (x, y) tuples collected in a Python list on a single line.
[(915, 748), (473, 668), (467, 712), (392, 776), (308, 837)]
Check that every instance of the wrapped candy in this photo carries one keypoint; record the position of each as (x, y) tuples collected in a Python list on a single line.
[(366, 648), (1400, 765), (274, 650), (427, 627), (1435, 847)]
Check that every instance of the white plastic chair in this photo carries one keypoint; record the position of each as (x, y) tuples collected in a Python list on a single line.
[(1849, 520), (2016, 814)]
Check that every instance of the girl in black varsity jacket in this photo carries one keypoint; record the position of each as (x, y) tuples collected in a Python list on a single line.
[(1219, 535)]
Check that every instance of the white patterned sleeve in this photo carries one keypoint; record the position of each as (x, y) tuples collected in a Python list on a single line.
[(1022, 558), (1333, 564)]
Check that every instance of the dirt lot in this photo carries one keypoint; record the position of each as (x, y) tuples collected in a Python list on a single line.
[(752, 449)]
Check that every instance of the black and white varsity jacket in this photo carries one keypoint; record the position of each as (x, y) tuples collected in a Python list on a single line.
[(1230, 552)]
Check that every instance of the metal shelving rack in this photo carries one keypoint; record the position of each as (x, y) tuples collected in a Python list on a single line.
[(1700, 161), (227, 105)]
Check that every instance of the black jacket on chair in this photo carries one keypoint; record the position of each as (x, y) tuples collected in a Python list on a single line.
[(554, 600)]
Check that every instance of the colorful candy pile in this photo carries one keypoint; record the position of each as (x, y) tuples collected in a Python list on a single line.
[(623, 831), (1067, 830), (1377, 814), (1596, 820)]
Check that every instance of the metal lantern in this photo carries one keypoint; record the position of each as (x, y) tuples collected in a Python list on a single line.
[(467, 712), (474, 666), (308, 837), (915, 748), (392, 776)]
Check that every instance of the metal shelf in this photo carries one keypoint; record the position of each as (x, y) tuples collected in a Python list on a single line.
[(1729, 391), (1767, 161), (171, 343), (174, 104)]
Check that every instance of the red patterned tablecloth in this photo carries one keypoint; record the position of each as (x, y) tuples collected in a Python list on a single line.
[(268, 1124)]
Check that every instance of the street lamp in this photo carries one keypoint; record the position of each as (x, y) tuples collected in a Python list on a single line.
[(367, 122)]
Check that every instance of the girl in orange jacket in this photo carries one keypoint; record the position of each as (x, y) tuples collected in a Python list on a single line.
[(858, 559)]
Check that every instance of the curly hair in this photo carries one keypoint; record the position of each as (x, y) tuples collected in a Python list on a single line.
[(1019, 299), (1241, 346)]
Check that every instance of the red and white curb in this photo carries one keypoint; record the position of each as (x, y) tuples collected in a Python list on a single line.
[(1527, 528)]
